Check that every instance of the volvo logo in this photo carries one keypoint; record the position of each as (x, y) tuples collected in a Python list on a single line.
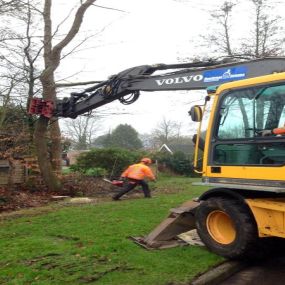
[(179, 80)]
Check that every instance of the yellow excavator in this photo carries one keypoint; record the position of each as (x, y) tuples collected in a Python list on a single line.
[(244, 169)]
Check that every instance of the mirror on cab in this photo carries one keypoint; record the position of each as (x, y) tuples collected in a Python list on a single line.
[(196, 113)]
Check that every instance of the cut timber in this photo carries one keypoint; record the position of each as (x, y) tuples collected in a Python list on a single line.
[(180, 220), (59, 197)]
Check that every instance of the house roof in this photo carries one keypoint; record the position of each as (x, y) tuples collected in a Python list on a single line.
[(164, 146), (171, 148)]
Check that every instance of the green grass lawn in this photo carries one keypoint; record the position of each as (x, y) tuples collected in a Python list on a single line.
[(89, 244)]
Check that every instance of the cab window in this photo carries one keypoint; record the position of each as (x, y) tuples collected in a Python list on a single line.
[(243, 114)]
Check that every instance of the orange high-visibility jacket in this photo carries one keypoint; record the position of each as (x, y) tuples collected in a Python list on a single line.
[(138, 171)]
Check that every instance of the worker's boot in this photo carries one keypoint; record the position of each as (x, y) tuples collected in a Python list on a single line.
[(145, 189)]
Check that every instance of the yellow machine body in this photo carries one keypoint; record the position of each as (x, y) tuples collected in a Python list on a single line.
[(269, 215)]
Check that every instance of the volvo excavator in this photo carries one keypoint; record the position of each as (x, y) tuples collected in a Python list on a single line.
[(244, 171)]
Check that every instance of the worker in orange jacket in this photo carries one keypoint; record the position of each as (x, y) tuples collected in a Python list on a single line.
[(135, 175)]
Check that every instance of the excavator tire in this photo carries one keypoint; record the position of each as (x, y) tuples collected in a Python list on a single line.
[(227, 227)]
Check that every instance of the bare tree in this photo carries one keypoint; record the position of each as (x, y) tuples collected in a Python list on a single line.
[(222, 37), (165, 131), (17, 52), (10, 7), (264, 36), (82, 130), (267, 38), (52, 58), (21, 58), (12, 74), (14, 138)]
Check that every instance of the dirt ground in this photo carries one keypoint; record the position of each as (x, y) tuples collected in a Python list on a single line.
[(34, 194)]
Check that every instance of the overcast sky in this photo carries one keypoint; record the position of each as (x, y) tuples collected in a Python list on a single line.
[(142, 32)]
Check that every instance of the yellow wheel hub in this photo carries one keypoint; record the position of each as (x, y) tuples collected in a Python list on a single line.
[(221, 227)]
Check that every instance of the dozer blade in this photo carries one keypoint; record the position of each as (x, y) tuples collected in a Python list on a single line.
[(180, 220)]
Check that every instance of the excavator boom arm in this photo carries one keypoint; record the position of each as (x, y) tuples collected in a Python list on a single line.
[(184, 76)]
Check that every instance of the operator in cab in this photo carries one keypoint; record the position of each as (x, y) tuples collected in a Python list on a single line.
[(276, 131), (135, 175)]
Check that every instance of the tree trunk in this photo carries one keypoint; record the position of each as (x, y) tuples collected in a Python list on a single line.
[(55, 148), (40, 140)]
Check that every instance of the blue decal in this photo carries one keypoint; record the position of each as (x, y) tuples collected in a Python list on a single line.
[(225, 74)]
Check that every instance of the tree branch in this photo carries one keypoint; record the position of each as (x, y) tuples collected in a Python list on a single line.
[(114, 9), (60, 85), (75, 26)]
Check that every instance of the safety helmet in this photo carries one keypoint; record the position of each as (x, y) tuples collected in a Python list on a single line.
[(146, 160)]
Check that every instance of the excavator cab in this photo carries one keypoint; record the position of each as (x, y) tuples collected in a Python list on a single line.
[(236, 150)]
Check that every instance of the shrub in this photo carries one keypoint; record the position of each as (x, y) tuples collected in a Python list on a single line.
[(112, 160), (95, 172), (177, 162)]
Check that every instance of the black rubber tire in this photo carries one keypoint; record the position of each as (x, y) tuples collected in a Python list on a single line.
[(246, 230)]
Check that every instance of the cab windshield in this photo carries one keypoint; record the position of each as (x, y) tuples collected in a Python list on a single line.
[(243, 115)]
